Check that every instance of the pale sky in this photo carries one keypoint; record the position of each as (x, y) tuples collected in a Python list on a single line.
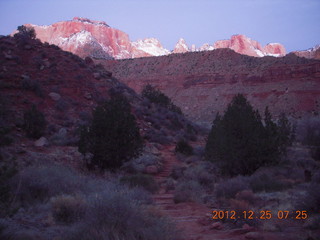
[(294, 23)]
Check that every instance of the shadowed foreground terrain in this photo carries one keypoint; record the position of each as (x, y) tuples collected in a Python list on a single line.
[(168, 192)]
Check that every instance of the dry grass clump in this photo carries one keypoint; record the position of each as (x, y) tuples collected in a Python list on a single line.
[(82, 207)]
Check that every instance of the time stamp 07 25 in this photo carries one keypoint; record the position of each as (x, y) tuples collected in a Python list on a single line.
[(263, 215)]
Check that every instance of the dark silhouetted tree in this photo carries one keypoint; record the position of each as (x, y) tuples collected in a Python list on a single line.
[(25, 33), (34, 122), (156, 96), (240, 143), (113, 136)]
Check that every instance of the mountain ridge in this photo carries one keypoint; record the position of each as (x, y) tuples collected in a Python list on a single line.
[(117, 44)]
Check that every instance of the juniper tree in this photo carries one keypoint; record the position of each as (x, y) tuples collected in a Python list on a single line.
[(240, 143), (113, 135)]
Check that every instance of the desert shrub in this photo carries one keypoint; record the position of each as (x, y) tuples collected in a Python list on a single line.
[(202, 173), (141, 180), (62, 105), (312, 223), (5, 140), (229, 188), (170, 184), (177, 172), (198, 151), (138, 194), (264, 182), (40, 183), (115, 216), (25, 33), (139, 164), (175, 123), (315, 153), (32, 85), (156, 96), (68, 208), (184, 148), (310, 199), (113, 136), (188, 191), (60, 138), (7, 171), (311, 136), (239, 142), (20, 233), (34, 122)]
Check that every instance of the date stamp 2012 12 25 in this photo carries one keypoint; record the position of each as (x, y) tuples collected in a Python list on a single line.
[(263, 214)]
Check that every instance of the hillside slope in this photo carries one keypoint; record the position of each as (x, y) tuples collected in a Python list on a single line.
[(203, 83)]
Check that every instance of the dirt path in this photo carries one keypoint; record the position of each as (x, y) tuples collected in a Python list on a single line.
[(191, 219)]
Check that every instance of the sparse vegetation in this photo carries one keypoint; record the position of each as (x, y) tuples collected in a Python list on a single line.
[(184, 148), (7, 171), (239, 142), (113, 136), (25, 33), (91, 208), (188, 191), (141, 180), (229, 188), (156, 96), (68, 209), (34, 123)]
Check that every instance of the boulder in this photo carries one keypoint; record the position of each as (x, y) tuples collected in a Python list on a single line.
[(55, 96), (41, 142)]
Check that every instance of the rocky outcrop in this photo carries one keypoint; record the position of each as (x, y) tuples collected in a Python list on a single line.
[(244, 45), (274, 49), (148, 47), (203, 83), (310, 53), (181, 46)]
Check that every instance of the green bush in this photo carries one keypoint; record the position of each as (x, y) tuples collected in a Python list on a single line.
[(156, 96), (141, 180), (239, 142), (184, 148), (113, 136), (34, 122)]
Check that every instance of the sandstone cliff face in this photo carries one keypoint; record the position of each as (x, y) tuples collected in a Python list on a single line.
[(181, 46), (86, 37), (203, 83), (96, 39), (244, 45), (70, 35), (310, 53)]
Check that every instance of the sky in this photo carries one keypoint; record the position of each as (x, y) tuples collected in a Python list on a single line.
[(293, 23)]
